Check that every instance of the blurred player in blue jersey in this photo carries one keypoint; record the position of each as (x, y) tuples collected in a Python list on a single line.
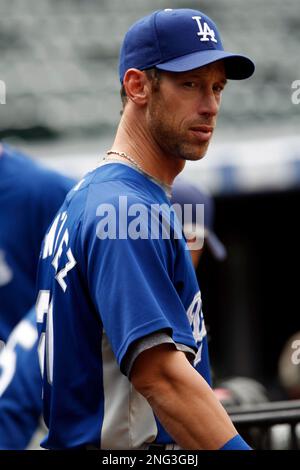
[(20, 386), (29, 198), (30, 195), (122, 339)]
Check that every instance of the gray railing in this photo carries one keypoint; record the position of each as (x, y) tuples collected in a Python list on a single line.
[(257, 423)]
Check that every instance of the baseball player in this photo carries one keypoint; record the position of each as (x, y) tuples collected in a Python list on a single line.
[(20, 380), (21, 425), (29, 197), (122, 339)]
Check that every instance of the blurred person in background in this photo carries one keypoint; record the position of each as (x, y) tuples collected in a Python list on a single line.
[(30, 195), (230, 390), (185, 193), (21, 424)]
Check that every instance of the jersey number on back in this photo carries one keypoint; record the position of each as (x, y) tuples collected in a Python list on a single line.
[(45, 307)]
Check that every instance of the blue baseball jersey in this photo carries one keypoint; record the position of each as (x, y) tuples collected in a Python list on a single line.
[(106, 279), (20, 386), (30, 195)]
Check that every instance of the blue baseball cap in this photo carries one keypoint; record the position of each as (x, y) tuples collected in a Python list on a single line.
[(185, 193), (178, 40)]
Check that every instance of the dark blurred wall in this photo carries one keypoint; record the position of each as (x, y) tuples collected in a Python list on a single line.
[(251, 301)]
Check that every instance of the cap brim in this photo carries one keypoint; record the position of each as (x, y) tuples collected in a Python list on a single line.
[(238, 67), (215, 245)]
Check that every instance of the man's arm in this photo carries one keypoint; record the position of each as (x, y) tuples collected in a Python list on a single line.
[(181, 399)]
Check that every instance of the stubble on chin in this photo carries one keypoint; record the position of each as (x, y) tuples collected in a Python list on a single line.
[(174, 144), (194, 154), (167, 137), (184, 150)]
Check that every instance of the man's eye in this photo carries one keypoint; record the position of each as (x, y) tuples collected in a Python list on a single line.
[(189, 84), (218, 88)]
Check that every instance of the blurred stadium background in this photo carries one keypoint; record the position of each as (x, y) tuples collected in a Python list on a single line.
[(59, 63)]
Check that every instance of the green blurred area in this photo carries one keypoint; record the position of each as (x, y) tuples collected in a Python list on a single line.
[(59, 62)]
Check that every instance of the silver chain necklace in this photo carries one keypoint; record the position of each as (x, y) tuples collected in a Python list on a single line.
[(167, 187), (124, 155)]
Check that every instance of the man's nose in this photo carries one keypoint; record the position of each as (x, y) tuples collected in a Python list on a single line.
[(208, 104)]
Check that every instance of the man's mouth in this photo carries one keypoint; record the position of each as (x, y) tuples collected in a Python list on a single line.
[(203, 133)]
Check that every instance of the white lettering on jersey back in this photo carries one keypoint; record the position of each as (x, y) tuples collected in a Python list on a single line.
[(52, 237), (6, 273), (128, 421), (51, 248), (58, 253), (63, 272), (42, 308), (205, 32)]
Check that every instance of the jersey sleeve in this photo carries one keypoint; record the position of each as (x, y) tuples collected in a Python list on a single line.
[(132, 285), (150, 341)]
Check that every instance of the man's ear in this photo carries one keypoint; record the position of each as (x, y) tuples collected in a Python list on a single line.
[(136, 85)]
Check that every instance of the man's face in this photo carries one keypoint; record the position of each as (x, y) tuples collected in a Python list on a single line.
[(183, 110)]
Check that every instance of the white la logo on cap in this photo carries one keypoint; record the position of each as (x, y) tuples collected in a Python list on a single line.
[(204, 30)]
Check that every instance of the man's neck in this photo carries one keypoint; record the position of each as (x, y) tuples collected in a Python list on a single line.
[(133, 140)]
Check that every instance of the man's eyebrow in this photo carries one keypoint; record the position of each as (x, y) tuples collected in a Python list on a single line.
[(194, 76)]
